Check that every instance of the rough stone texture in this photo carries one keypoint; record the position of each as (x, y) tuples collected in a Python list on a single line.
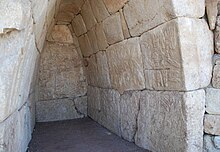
[(85, 45), (54, 110), (217, 35), (212, 12), (212, 124), (101, 38), (216, 74), (129, 108), (81, 105), (113, 29), (213, 101), (79, 25), (99, 10), (61, 73), (88, 15), (114, 5), (124, 25), (216, 141), (143, 15), (93, 40), (171, 121), (126, 66), (61, 34), (209, 145), (166, 49)]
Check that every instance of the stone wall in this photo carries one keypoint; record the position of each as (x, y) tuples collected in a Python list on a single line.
[(62, 83), (147, 65), (23, 24)]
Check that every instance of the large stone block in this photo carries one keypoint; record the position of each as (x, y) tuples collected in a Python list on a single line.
[(85, 45), (171, 121), (99, 10), (88, 15), (126, 66), (81, 105), (61, 73), (212, 124), (79, 25), (60, 34), (55, 110), (143, 15), (114, 5), (213, 101), (93, 40), (113, 29), (129, 108), (101, 38), (178, 55), (209, 145), (216, 73)]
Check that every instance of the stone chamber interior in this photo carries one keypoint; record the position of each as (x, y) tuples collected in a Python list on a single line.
[(148, 71)]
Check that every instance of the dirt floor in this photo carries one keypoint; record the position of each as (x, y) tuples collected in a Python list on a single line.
[(81, 135)]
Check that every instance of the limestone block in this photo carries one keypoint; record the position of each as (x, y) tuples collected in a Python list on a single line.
[(88, 15), (217, 36), (114, 5), (166, 49), (70, 6), (216, 141), (216, 76), (126, 66), (61, 73), (171, 121), (81, 105), (212, 12), (92, 71), (99, 10), (143, 15), (129, 108), (94, 106), (64, 17), (93, 40), (14, 15), (212, 124), (61, 34), (101, 38), (79, 25), (124, 25), (54, 110), (209, 144), (213, 101), (51, 10), (85, 45), (113, 29)]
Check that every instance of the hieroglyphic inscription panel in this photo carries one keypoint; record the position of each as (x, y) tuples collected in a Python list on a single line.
[(162, 58)]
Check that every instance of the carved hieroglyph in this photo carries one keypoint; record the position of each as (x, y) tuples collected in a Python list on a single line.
[(175, 56)]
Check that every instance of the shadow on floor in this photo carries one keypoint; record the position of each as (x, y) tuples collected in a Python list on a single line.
[(81, 135)]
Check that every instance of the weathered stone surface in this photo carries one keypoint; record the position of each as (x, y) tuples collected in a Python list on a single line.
[(212, 11), (93, 40), (88, 15), (216, 141), (212, 124), (114, 5), (101, 38), (81, 105), (129, 108), (71, 6), (61, 73), (99, 10), (98, 70), (213, 101), (61, 34), (143, 15), (217, 35), (54, 110), (216, 76), (64, 17), (171, 121), (113, 29), (209, 144), (124, 25), (79, 25), (85, 45), (166, 49), (126, 66)]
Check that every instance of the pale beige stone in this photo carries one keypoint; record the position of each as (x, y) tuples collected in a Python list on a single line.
[(61, 73), (101, 38), (65, 17), (99, 10), (92, 71), (124, 25), (51, 10), (71, 6), (81, 105), (126, 66), (88, 15), (85, 45), (166, 49), (93, 40), (55, 110), (216, 77), (217, 35), (212, 124), (171, 121), (113, 29), (212, 12), (143, 15), (79, 25), (114, 5), (129, 108), (213, 101), (61, 34)]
